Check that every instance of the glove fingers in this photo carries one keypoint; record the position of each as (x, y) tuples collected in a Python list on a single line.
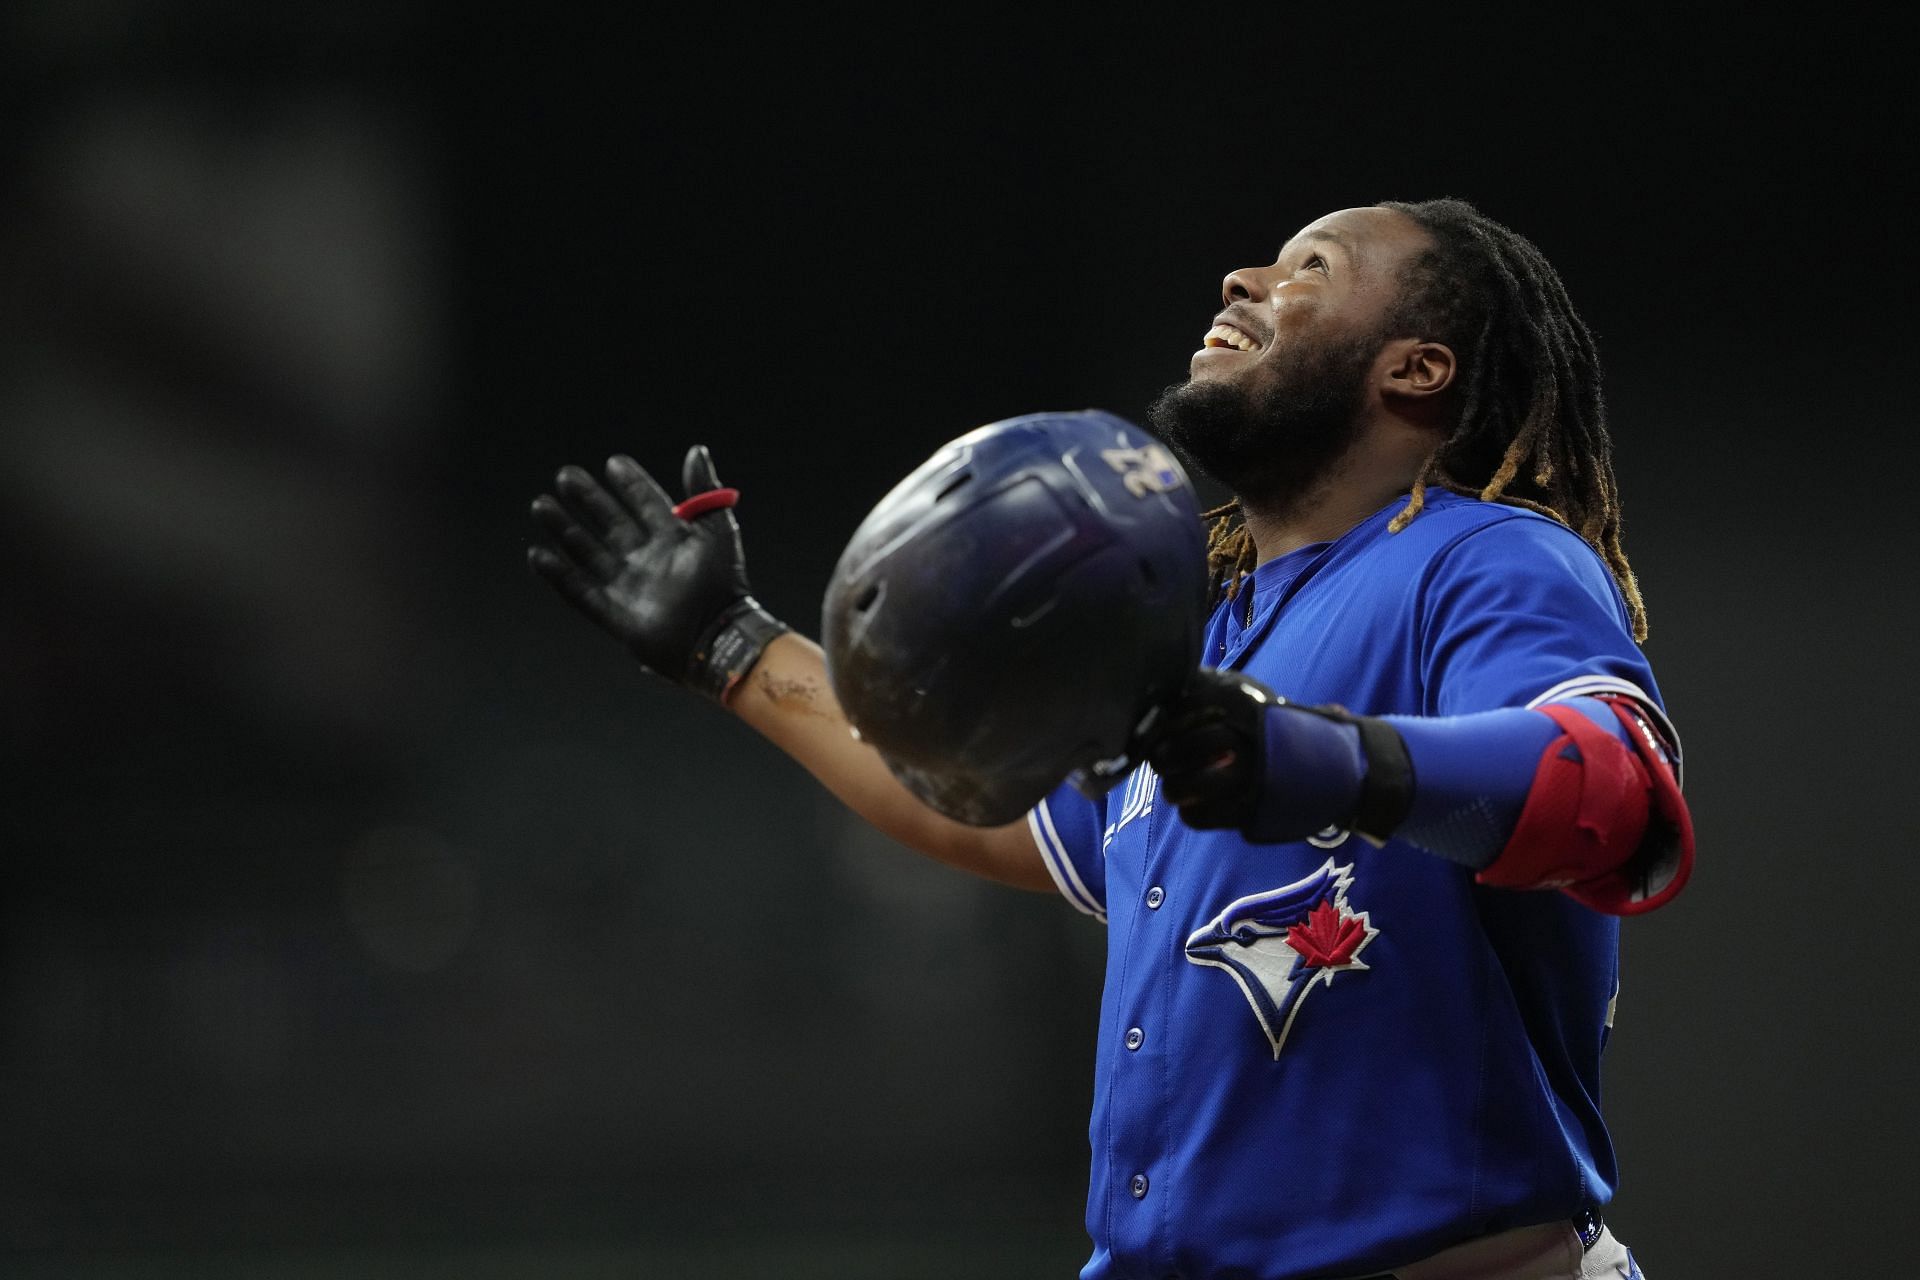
[(1191, 750), (580, 546), (641, 493), (696, 473), (1202, 768), (573, 583), (597, 511), (1201, 786)]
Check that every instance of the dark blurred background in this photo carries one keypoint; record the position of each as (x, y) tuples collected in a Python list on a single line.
[(365, 912)]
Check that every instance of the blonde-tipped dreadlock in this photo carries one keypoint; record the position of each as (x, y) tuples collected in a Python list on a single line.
[(1530, 429), (1230, 553)]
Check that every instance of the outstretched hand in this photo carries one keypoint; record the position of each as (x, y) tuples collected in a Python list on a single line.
[(664, 580)]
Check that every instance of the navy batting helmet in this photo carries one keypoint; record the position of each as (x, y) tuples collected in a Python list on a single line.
[(1017, 609)]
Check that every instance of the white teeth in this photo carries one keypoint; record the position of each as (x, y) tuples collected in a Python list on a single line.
[(1223, 335)]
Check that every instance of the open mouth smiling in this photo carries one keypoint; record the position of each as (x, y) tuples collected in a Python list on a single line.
[(1225, 335)]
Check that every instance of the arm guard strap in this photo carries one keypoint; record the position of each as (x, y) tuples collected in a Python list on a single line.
[(1603, 820)]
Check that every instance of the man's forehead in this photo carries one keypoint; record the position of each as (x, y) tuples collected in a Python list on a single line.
[(1358, 227)]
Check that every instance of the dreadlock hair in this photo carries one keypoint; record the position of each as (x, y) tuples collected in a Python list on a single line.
[(1528, 428)]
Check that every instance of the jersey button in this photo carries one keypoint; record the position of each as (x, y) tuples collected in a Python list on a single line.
[(1138, 1186), (1135, 1038), (1155, 897)]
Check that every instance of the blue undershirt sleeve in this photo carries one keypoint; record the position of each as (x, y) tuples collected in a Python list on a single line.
[(1472, 773)]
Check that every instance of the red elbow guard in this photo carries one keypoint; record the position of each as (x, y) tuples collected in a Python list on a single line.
[(1603, 822)]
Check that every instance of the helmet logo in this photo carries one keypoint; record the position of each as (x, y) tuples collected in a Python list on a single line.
[(1144, 471)]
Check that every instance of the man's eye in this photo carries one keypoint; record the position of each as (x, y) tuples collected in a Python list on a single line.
[(1316, 262)]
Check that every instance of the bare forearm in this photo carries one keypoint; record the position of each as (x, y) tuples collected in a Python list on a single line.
[(669, 581), (789, 701)]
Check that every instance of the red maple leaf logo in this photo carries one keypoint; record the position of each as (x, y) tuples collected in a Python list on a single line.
[(1326, 937)]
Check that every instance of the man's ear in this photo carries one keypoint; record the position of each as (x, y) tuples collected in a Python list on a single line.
[(1416, 370)]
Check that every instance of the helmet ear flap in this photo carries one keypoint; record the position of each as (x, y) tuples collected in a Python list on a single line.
[(1012, 610)]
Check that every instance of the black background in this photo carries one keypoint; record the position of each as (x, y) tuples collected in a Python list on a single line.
[(365, 912)]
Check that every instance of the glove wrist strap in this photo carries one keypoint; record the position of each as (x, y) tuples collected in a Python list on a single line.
[(1386, 792), (730, 647)]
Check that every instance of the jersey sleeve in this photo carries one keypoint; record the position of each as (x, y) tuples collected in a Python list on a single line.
[(1522, 612), (1067, 827)]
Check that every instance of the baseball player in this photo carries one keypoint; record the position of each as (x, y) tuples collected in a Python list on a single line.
[(1363, 937)]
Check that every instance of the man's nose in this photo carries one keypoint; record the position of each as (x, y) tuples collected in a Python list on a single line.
[(1248, 284)]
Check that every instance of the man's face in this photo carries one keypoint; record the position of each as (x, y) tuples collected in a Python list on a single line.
[(1278, 384)]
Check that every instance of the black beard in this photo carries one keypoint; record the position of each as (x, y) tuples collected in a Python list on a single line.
[(1273, 446)]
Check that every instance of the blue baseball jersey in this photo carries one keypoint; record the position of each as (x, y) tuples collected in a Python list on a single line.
[(1327, 1057)]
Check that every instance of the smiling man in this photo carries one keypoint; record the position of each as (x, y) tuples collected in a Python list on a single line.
[(1363, 938)]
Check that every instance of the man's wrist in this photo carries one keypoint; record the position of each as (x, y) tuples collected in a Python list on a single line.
[(1326, 767), (727, 651)]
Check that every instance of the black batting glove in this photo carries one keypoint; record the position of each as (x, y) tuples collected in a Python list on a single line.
[(1231, 752), (668, 582), (1209, 749)]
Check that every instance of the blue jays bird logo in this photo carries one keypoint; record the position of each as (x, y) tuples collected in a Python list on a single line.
[(1281, 944)]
